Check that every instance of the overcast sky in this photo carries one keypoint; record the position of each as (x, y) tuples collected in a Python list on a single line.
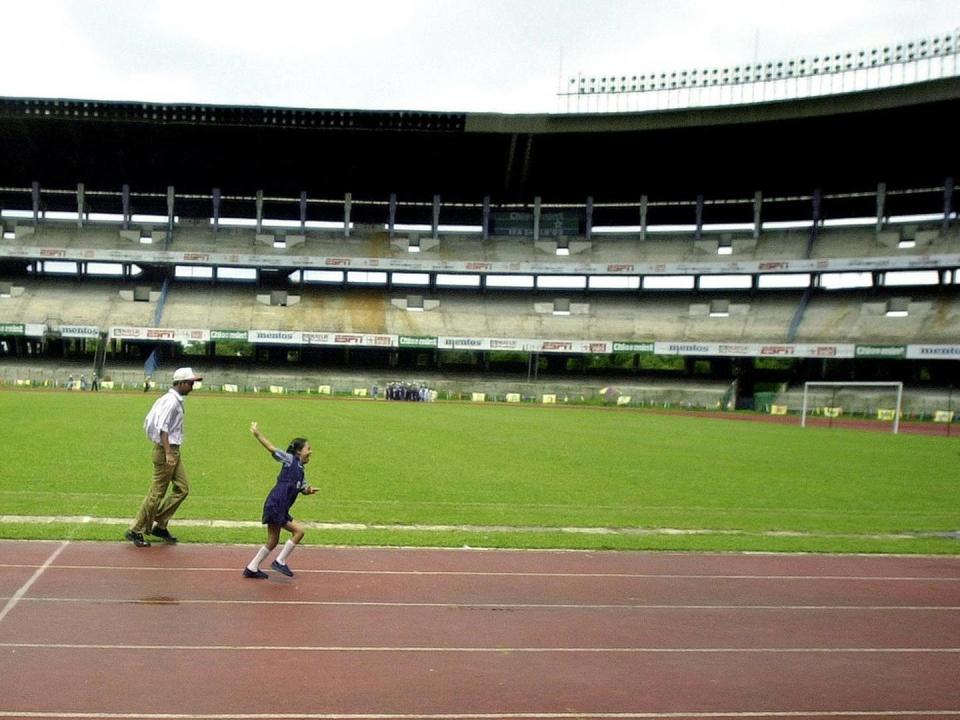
[(461, 55)]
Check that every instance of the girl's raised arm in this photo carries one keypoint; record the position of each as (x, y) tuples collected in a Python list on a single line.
[(263, 441)]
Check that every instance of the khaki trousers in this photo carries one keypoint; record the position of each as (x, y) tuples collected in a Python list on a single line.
[(157, 509)]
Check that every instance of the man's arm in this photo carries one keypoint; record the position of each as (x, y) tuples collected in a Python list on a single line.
[(167, 451)]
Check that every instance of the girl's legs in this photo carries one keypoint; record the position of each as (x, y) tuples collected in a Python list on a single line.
[(273, 538), (296, 531)]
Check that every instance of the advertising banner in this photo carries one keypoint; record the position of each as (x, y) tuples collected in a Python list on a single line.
[(79, 331), (229, 335), (643, 348), (159, 334), (897, 352), (933, 352), (551, 225), (417, 341)]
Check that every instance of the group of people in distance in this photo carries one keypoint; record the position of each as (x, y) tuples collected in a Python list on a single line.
[(164, 427), (409, 391)]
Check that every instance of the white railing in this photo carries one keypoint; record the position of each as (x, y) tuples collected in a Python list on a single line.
[(902, 63)]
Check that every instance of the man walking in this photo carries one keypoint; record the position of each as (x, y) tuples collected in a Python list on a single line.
[(164, 427)]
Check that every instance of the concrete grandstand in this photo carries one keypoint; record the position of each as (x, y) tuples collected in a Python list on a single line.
[(683, 256)]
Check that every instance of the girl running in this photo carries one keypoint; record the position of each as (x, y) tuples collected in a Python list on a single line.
[(276, 509)]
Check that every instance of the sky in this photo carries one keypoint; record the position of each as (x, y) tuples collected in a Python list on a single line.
[(504, 56)]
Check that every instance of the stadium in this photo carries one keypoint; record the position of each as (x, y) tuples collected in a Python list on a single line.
[(686, 353), (693, 256)]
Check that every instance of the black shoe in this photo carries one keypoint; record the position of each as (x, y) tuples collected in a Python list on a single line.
[(163, 533), (258, 574), (136, 538), (281, 568)]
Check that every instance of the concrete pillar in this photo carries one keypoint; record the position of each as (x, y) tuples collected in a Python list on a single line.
[(589, 218), (486, 217), (536, 218), (392, 213), (881, 202), (125, 199), (80, 205), (643, 217), (757, 205)]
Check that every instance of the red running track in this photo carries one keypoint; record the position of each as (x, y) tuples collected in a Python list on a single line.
[(95, 630)]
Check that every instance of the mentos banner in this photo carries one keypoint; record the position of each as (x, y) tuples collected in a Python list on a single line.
[(79, 331), (933, 352)]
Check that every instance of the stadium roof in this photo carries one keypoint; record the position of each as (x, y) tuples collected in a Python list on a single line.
[(903, 136)]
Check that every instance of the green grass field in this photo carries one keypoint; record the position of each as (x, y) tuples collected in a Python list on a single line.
[(500, 476)]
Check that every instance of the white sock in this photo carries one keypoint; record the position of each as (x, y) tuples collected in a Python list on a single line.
[(258, 558), (288, 547)]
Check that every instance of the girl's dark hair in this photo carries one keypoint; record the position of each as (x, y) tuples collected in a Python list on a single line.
[(296, 445)]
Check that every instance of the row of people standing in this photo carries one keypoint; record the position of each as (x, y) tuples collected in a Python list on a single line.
[(81, 383), (409, 391)]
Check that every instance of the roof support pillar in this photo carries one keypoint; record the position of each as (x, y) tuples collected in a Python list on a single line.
[(881, 202), (643, 217), (589, 218), (814, 227), (757, 206), (347, 203), (486, 217), (698, 233), (125, 199), (259, 210), (216, 209), (303, 211), (392, 214), (80, 203), (35, 192), (435, 224), (536, 218), (170, 215), (947, 202)]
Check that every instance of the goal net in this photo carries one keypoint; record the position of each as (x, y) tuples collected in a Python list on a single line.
[(880, 400)]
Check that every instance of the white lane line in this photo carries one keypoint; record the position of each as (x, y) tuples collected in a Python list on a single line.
[(478, 573), (489, 716), (18, 595), (484, 606), (482, 529), (503, 649)]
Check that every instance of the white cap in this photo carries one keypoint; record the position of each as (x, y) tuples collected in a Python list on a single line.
[(185, 374)]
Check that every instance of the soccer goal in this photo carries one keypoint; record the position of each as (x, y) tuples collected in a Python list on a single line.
[(829, 398)]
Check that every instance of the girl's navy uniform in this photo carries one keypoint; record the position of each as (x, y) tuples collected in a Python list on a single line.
[(290, 483)]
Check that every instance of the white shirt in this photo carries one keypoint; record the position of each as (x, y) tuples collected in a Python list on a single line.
[(166, 415)]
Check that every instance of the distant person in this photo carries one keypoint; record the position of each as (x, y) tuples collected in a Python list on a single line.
[(70, 382), (146, 383), (164, 426), (276, 510)]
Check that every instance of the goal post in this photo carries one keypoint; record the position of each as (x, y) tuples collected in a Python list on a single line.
[(812, 384)]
